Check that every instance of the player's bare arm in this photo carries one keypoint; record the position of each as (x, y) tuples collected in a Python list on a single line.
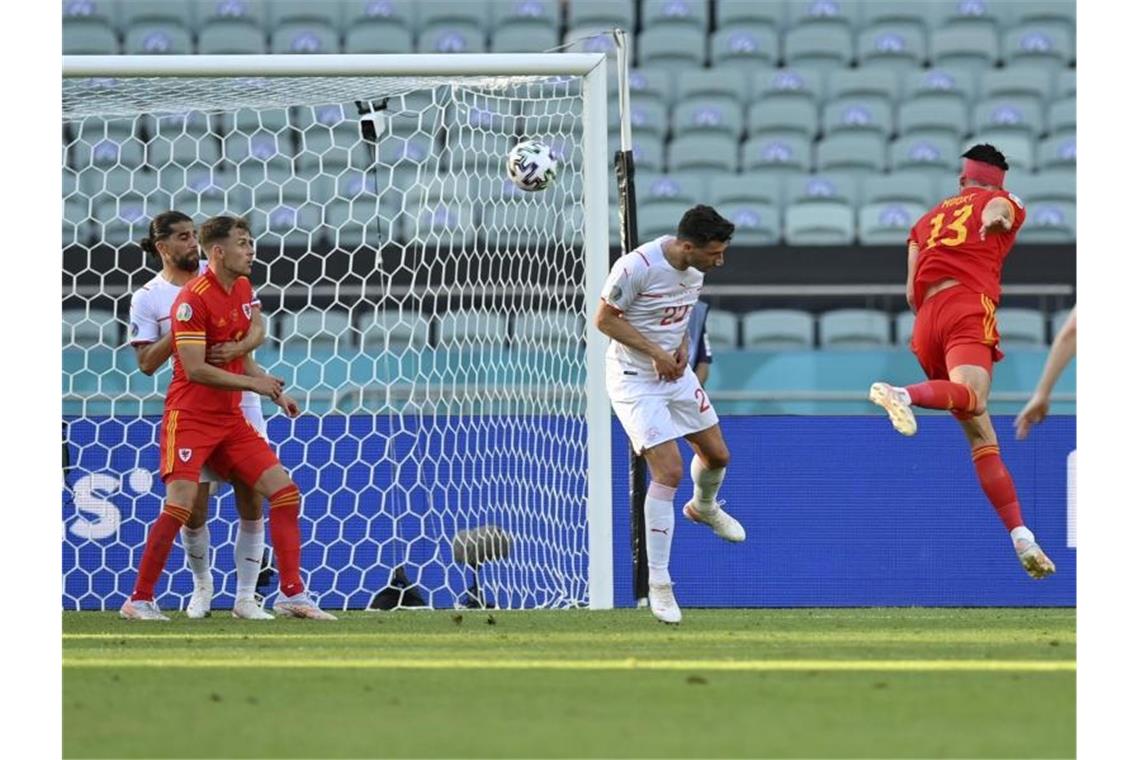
[(610, 322), (223, 353), (198, 370), (151, 356), (997, 216), (912, 252), (1062, 351)]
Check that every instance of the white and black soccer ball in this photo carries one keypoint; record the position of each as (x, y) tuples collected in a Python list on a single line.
[(531, 166)]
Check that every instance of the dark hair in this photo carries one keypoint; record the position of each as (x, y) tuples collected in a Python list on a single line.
[(702, 224), (161, 227), (219, 228), (987, 154)]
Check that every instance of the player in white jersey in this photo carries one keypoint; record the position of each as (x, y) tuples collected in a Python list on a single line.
[(174, 241), (645, 308)]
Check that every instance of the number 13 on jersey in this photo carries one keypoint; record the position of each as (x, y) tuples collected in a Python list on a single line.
[(957, 226)]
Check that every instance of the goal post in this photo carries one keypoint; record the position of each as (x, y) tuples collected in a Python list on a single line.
[(434, 320)]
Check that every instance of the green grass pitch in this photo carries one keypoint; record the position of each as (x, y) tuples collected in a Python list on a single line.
[(882, 683)]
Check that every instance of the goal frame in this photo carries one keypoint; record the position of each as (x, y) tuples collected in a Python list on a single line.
[(595, 245)]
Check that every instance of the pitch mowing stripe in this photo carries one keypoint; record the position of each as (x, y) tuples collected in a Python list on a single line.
[(1020, 666)]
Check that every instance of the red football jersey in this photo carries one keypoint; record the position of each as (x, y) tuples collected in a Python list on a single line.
[(205, 314), (951, 246)]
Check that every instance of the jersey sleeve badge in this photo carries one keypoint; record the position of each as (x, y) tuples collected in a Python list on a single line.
[(184, 313), (1016, 200)]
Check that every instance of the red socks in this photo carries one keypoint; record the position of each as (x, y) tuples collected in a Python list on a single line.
[(285, 530), (943, 394), (998, 485), (158, 543)]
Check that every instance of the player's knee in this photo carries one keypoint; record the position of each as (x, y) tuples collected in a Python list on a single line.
[(717, 459), (667, 475)]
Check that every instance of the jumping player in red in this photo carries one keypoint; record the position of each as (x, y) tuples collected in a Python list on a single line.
[(203, 423), (954, 261)]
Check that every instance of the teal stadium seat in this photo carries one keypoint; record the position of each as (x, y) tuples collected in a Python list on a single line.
[(650, 84), (1065, 83), (777, 330), (934, 118), (730, 13), (528, 14), (967, 16), (280, 12), (1049, 222), (377, 36), (179, 12), (721, 329), (902, 12), (660, 219), (782, 154), (231, 38), (1058, 152), (1048, 185), (378, 15), (893, 46), (782, 116), (472, 328), (823, 14), (788, 83), (671, 47), (516, 38), (854, 329), (127, 219), (645, 117), (972, 48), (431, 12), (250, 12), (1009, 113), (1041, 44), (746, 188), (707, 116), (1017, 148), (857, 115), (610, 13), (749, 47), (866, 151), (452, 37), (881, 85), (904, 328), (691, 14), (728, 85), (939, 83), (1027, 11), (648, 152), (285, 223), (1063, 117), (393, 330), (823, 187), (311, 330), (89, 37), (1016, 81), (1021, 328), (546, 329), (715, 152), (818, 47), (907, 186), (933, 155), (158, 38), (301, 37), (819, 224), (90, 327), (654, 187), (514, 225), (756, 223), (888, 222)]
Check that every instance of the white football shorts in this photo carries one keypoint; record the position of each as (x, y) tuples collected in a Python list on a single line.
[(654, 411)]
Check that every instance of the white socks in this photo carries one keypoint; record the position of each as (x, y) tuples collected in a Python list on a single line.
[(196, 542), (1021, 532), (706, 483), (248, 548), (658, 531)]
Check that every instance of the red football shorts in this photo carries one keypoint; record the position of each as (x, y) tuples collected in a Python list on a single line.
[(229, 444), (955, 326)]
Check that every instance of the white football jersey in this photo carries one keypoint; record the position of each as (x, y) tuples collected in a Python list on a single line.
[(150, 317), (654, 297)]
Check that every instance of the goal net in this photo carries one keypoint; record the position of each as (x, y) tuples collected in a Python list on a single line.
[(429, 316)]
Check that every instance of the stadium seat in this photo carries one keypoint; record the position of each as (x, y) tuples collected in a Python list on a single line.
[(685, 13), (777, 330), (823, 187), (730, 13), (756, 223), (76, 221), (1017, 81), (348, 224), (472, 329), (857, 115), (377, 37), (912, 187), (90, 327), (659, 219), (285, 224), (786, 153), (778, 84), (730, 85), (782, 116), (653, 187), (906, 12), (819, 224), (223, 38), (1009, 113), (1048, 185), (1028, 11), (1040, 44), (115, 150), (1065, 83), (513, 223), (280, 12), (651, 84), (452, 37), (897, 47), (609, 13), (928, 117), (931, 154), (1057, 321), (720, 329), (814, 14), (707, 116), (121, 180), (473, 12), (392, 15), (852, 151), (716, 152), (1017, 148), (304, 37), (966, 17), (1057, 152), (904, 327), (249, 12), (546, 329), (818, 47), (83, 37), (591, 39), (384, 330), (648, 153), (1021, 328), (179, 12), (972, 48), (854, 328), (888, 222), (750, 47), (1049, 222), (881, 85), (530, 14), (747, 188), (126, 219), (515, 38), (311, 329), (1063, 117), (151, 38), (671, 47)]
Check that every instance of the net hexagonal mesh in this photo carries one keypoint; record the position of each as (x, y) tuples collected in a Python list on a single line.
[(426, 313)]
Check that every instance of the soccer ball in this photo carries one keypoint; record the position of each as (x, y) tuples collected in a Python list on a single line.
[(531, 166)]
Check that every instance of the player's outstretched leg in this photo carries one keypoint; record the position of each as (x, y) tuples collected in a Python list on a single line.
[(896, 403), (708, 468), (195, 536), (664, 463), (159, 539), (248, 549)]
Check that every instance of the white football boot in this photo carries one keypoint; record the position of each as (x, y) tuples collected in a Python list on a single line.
[(663, 604), (1033, 559), (247, 608), (199, 605), (300, 606), (141, 610), (722, 523), (897, 406)]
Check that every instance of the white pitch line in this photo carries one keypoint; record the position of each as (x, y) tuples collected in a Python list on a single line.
[(616, 664)]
